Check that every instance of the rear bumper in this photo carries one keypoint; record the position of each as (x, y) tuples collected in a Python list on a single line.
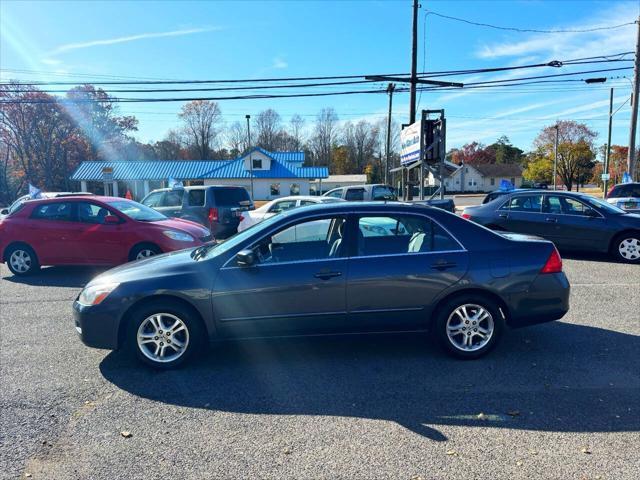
[(546, 300)]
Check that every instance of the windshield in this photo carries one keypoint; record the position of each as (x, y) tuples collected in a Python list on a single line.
[(17, 205), (137, 211), (603, 204), (213, 250)]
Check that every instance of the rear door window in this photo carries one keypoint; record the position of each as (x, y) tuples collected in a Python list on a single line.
[(526, 203), (172, 199), (355, 194), (227, 197), (196, 198), (59, 211)]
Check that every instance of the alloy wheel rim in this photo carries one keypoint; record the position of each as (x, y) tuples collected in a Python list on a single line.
[(145, 253), (629, 248), (163, 337), (470, 327), (20, 261)]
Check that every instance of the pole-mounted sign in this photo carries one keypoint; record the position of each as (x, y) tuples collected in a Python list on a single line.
[(410, 141)]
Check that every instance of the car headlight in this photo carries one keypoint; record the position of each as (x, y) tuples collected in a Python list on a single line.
[(179, 236), (95, 294)]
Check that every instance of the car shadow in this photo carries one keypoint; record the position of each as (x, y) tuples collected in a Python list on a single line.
[(554, 377), (65, 276)]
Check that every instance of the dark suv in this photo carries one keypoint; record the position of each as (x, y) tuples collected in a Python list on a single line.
[(217, 207)]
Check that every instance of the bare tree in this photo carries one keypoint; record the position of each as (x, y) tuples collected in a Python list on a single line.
[(267, 127), (202, 121), (237, 139), (324, 136), (296, 131)]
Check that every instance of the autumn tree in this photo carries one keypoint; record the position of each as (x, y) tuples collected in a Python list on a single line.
[(575, 150), (473, 153), (539, 168), (202, 121)]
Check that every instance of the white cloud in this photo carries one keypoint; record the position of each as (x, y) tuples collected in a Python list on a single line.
[(279, 63), (51, 61), (130, 38)]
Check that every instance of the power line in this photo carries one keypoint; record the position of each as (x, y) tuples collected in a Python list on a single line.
[(528, 30)]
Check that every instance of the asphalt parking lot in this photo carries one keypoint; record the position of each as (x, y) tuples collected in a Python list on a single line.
[(560, 400)]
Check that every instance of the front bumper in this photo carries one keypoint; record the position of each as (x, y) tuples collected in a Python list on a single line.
[(97, 325), (546, 300)]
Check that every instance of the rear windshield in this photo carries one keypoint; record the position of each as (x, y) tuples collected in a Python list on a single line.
[(383, 193), (196, 197), (630, 190), (231, 196)]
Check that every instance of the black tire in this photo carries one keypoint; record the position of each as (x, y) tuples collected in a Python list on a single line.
[(143, 249), (169, 311), (28, 260), (626, 247), (456, 345)]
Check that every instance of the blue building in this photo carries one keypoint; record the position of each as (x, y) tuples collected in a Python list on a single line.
[(273, 174)]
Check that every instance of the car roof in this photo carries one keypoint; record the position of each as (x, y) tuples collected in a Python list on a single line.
[(74, 198), (346, 207)]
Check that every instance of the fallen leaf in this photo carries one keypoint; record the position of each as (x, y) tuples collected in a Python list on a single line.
[(28, 475), (519, 463), (417, 477), (482, 416), (533, 452), (287, 451), (513, 413), (586, 450), (126, 434), (452, 452)]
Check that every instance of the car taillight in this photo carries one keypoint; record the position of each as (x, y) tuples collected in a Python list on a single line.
[(241, 217), (213, 214), (554, 263), (467, 216)]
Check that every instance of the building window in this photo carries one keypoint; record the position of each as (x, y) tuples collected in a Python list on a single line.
[(257, 163), (493, 181), (466, 169), (275, 189), (294, 189)]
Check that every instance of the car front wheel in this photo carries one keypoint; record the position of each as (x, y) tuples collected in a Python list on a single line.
[(626, 247), (22, 260), (164, 335), (469, 326)]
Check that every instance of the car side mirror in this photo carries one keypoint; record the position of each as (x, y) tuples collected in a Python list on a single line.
[(4, 211), (245, 258), (111, 220)]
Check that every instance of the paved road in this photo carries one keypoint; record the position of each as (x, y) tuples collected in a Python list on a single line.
[(354, 407)]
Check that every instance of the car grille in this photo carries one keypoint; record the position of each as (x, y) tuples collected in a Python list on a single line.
[(207, 238)]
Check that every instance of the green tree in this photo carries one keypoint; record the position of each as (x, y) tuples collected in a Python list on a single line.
[(539, 169), (505, 152)]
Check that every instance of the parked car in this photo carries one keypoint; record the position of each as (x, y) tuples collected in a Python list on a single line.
[(360, 193), (268, 210), (20, 200), (573, 221), (491, 196), (90, 231), (434, 271), (217, 207), (625, 196)]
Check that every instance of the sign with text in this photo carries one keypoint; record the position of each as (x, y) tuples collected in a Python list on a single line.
[(410, 143)]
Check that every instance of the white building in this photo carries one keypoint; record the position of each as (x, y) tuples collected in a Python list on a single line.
[(478, 178), (274, 174)]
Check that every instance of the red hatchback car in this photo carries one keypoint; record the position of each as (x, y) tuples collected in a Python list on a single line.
[(90, 231)]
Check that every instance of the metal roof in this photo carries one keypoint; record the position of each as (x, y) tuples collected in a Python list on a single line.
[(197, 169)]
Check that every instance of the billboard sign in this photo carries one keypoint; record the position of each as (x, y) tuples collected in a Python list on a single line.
[(410, 143)]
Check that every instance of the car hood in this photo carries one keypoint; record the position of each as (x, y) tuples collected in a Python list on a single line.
[(192, 228), (170, 263)]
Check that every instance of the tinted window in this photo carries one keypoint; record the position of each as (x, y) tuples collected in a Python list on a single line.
[(388, 235), (231, 196), (307, 240), (355, 194), (153, 199), (383, 193), (172, 199), (307, 202), (620, 191), (526, 203), (552, 204), (91, 213), (53, 211), (196, 198)]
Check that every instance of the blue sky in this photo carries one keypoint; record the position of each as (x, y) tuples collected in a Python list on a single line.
[(252, 39)]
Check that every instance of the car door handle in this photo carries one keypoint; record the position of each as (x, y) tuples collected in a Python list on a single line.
[(551, 220), (327, 275), (442, 265), (503, 215)]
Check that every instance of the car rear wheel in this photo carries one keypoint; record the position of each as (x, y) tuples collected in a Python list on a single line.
[(468, 326), (626, 247), (144, 251), (164, 335), (22, 260)]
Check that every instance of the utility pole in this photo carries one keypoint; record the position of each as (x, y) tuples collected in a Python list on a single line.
[(390, 89), (631, 156), (555, 159), (414, 64), (248, 117), (608, 151)]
